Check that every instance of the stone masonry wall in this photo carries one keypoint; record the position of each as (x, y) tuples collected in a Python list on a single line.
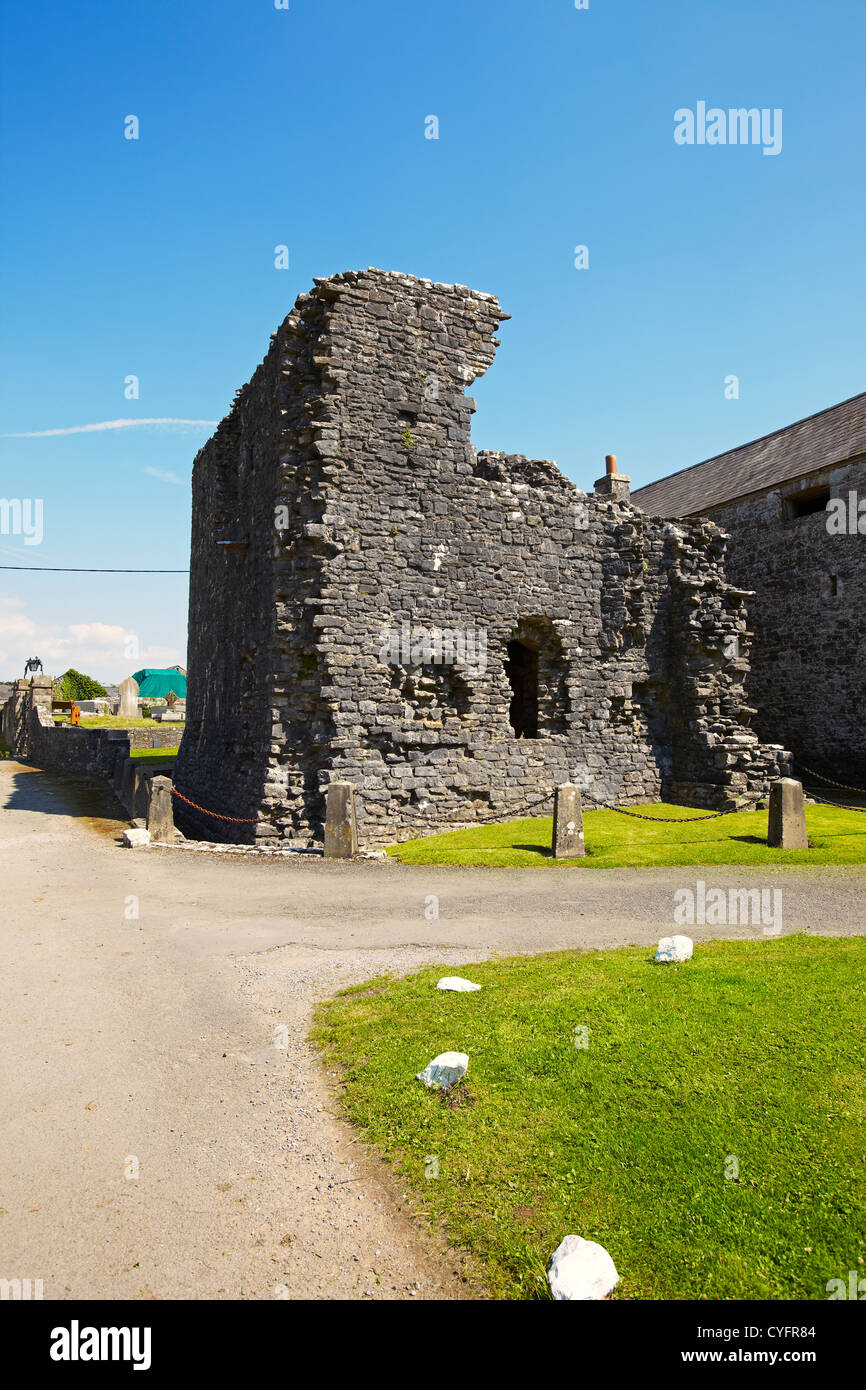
[(29, 731), (808, 676), (365, 521), (258, 731)]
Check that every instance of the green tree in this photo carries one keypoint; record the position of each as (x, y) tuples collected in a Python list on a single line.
[(75, 686)]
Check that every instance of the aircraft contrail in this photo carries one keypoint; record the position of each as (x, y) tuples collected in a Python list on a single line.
[(106, 425)]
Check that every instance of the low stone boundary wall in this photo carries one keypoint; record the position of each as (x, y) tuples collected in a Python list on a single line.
[(92, 752), (27, 726)]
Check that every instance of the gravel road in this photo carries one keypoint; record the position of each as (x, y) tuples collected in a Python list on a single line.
[(168, 1131)]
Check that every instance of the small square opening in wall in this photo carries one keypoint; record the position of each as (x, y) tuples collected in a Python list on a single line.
[(806, 503)]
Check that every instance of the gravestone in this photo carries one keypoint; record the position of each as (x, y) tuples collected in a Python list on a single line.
[(97, 707), (128, 691)]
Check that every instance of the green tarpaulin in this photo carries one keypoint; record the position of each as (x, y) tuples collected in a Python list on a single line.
[(157, 685)]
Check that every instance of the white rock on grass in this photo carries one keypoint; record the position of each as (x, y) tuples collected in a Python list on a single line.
[(445, 1070), (674, 948), (134, 839), (460, 986), (581, 1270)]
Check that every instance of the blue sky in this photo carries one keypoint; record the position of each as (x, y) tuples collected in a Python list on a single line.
[(306, 127)]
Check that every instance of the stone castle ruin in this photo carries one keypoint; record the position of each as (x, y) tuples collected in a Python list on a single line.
[(454, 632)]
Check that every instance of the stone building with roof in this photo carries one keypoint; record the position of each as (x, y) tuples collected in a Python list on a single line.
[(794, 505)]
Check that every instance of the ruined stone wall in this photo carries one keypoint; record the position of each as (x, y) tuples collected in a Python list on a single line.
[(369, 524), (256, 732), (808, 676)]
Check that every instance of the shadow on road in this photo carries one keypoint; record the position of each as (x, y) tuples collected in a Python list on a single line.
[(49, 794)]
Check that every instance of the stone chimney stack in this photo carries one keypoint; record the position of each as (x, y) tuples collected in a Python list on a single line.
[(613, 484)]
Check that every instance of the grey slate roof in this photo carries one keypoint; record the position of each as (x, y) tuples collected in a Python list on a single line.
[(831, 436)]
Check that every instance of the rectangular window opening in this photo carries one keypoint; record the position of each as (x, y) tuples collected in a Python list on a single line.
[(806, 503)]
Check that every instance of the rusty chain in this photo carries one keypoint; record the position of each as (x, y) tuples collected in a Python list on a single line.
[(517, 811), (238, 820)]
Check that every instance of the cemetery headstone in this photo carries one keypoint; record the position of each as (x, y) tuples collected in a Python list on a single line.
[(128, 691)]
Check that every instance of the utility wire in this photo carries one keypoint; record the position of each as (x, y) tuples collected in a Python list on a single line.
[(60, 569)]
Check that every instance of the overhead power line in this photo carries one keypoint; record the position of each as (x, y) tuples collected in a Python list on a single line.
[(60, 569)]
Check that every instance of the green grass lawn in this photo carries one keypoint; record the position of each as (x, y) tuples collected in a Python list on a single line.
[(109, 721), (113, 721), (158, 756), (752, 1051), (614, 841)]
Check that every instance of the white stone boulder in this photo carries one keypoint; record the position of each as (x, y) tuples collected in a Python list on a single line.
[(134, 839), (581, 1270), (674, 948), (460, 986), (445, 1070)]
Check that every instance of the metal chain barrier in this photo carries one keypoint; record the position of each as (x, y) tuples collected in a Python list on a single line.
[(515, 811), (861, 810), (602, 806), (843, 786), (237, 820), (506, 812), (664, 820)]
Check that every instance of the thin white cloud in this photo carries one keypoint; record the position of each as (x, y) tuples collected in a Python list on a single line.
[(163, 476), (103, 650), (108, 425)]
